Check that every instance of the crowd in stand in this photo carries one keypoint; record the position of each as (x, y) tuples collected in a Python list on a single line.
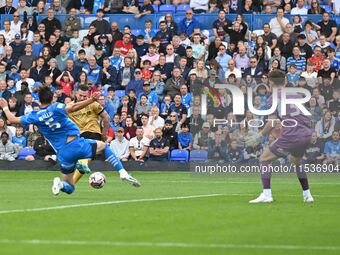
[(154, 83)]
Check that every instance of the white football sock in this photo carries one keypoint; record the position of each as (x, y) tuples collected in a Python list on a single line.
[(306, 193), (267, 192)]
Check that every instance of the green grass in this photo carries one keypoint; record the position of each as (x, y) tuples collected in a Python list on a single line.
[(224, 224)]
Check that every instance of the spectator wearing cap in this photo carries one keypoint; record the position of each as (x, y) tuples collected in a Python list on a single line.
[(100, 55), (139, 146), (136, 83), (201, 139), (18, 46), (305, 49), (151, 95), (51, 23), (159, 146), (188, 24), (13, 74), (39, 71), (120, 145)]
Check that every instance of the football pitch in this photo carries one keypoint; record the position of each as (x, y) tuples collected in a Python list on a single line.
[(172, 213)]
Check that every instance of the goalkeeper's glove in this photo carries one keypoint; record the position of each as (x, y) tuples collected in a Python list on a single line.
[(252, 140)]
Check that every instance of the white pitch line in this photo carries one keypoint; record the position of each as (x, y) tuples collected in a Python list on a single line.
[(173, 245), (108, 203)]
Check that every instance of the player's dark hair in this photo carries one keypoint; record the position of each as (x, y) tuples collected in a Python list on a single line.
[(45, 95), (277, 77), (83, 88)]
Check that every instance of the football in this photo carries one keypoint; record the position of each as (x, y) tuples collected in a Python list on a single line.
[(97, 180)]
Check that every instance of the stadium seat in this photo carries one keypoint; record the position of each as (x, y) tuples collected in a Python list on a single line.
[(198, 155), (327, 8), (182, 7), (120, 93), (167, 8), (136, 32), (179, 155), (155, 8), (24, 152)]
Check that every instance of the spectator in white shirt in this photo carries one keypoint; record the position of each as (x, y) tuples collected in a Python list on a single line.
[(139, 146), (7, 32), (16, 23), (155, 120), (120, 145), (233, 70), (278, 23), (299, 9)]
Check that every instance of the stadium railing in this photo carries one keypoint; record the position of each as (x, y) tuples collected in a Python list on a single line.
[(254, 21)]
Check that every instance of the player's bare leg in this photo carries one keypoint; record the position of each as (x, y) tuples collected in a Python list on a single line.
[(302, 176), (266, 159), (111, 158), (66, 185)]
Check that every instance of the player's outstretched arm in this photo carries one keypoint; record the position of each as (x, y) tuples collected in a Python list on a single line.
[(10, 116), (80, 105)]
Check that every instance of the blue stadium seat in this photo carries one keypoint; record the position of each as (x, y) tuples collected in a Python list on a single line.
[(182, 7), (198, 155), (136, 32), (167, 8), (179, 155), (120, 93), (327, 8), (24, 152), (155, 8)]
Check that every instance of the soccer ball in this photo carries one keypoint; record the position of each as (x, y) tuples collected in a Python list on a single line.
[(97, 180)]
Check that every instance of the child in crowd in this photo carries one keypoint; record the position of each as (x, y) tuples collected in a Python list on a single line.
[(185, 138), (19, 139), (66, 81), (292, 75)]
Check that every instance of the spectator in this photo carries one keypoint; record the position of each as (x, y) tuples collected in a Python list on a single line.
[(172, 86), (305, 50), (185, 138), (315, 8), (8, 8), (325, 127), (332, 149), (159, 146), (327, 27), (236, 31), (71, 24), (254, 70), (241, 58), (120, 145), (217, 147), (201, 139), (28, 105), (233, 70), (8, 151), (145, 9), (297, 60), (139, 146), (125, 44), (19, 139), (269, 37), (155, 120), (58, 9), (85, 7), (7, 32), (16, 22), (317, 58), (286, 45), (188, 24), (310, 75), (43, 150), (93, 71), (102, 26), (4, 92), (278, 23), (51, 23), (299, 9)]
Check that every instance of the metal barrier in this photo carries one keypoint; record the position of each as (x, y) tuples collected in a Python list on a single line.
[(254, 21)]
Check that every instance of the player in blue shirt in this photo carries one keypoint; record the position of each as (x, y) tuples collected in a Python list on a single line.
[(63, 135)]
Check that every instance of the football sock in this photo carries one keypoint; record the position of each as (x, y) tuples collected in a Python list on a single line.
[(112, 158), (265, 174), (302, 176), (67, 188), (306, 193), (267, 192), (76, 176)]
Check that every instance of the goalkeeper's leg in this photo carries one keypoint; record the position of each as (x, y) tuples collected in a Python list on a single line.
[(81, 169), (265, 161)]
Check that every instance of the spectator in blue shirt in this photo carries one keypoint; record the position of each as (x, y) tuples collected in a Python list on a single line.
[(152, 96), (19, 139), (332, 149), (185, 138), (188, 24), (93, 71), (137, 83)]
